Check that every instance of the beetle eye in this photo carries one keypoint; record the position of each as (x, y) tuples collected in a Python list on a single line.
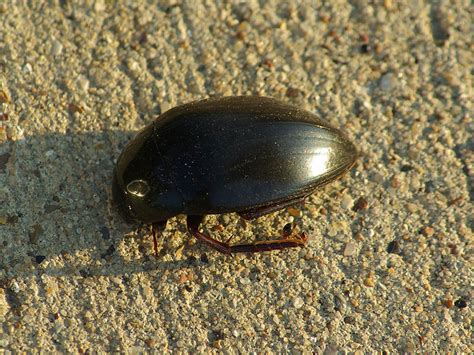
[(138, 188)]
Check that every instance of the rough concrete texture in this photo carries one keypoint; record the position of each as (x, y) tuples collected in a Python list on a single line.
[(389, 263)]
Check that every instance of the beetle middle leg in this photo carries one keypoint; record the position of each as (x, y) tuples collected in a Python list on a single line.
[(193, 223)]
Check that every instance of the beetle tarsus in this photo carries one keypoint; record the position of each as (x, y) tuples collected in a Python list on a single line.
[(193, 223), (157, 228)]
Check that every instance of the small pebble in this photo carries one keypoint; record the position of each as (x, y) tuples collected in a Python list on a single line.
[(349, 320), (85, 273), (240, 35), (4, 99), (378, 178), (57, 48), (105, 233), (268, 63), (218, 228), (406, 168), (204, 259), (393, 247), (378, 48), (412, 208), (217, 344), (460, 303), (74, 108), (388, 4), (427, 231), (388, 82), (365, 48), (347, 202), (39, 258), (287, 229), (364, 38), (332, 229), (455, 201), (133, 65), (430, 187), (361, 204), (150, 342), (349, 249), (27, 68), (418, 308), (395, 182), (165, 106), (185, 277), (453, 248), (294, 212), (369, 281), (449, 303), (15, 287), (82, 83), (325, 18), (35, 233), (298, 302), (179, 252), (292, 92)]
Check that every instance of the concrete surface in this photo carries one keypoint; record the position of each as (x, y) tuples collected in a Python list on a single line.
[(389, 263)]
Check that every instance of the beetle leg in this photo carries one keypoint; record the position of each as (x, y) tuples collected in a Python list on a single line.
[(268, 245), (157, 228), (193, 223)]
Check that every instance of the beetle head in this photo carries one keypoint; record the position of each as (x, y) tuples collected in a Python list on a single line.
[(141, 188)]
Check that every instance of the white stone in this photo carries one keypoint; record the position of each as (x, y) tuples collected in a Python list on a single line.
[(83, 83), (388, 82), (349, 249), (56, 48), (298, 302), (347, 202)]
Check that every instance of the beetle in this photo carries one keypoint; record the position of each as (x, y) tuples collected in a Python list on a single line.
[(245, 154)]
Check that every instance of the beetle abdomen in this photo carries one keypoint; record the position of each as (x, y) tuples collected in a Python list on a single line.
[(235, 154)]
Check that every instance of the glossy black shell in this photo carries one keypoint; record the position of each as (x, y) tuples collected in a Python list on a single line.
[(232, 154)]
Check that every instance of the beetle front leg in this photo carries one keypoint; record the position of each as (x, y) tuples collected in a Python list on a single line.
[(193, 223), (157, 228)]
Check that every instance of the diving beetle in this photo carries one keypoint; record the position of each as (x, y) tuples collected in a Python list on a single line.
[(246, 154)]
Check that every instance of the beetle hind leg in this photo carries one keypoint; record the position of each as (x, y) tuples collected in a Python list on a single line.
[(193, 223)]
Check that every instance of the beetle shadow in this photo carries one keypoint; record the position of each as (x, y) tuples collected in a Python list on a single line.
[(57, 200)]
